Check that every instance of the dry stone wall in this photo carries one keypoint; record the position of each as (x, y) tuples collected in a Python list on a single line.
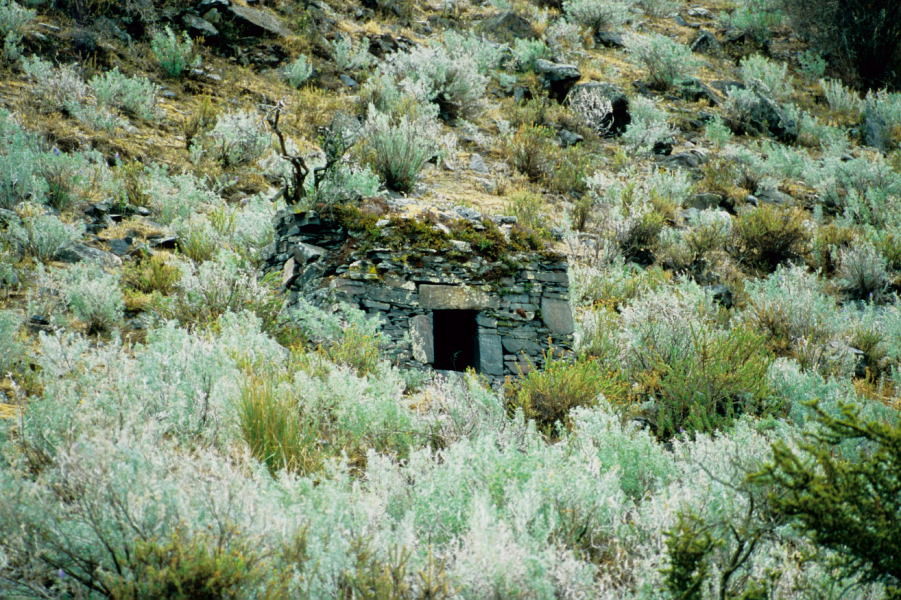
[(503, 314)]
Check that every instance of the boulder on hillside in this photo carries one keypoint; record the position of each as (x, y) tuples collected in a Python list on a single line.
[(705, 43), (557, 78), (507, 27), (235, 20), (755, 114)]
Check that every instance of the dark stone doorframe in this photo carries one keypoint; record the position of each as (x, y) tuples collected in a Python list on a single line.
[(456, 340)]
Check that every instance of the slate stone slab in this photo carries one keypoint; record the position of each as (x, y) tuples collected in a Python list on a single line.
[(557, 315), (491, 353), (422, 337), (454, 297)]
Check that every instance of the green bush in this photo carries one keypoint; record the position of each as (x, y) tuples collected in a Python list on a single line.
[(526, 52), (842, 487), (274, 429), (722, 376), (863, 272), (152, 274), (765, 237), (668, 62), (532, 149), (67, 176), (546, 395), (186, 567), (173, 55)]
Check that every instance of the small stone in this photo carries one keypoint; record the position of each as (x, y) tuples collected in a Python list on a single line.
[(120, 247), (477, 164), (461, 246), (289, 272), (199, 27), (609, 39), (569, 138), (687, 160), (704, 201), (375, 305), (83, 253)]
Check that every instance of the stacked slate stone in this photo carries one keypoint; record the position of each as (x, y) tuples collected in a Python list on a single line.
[(520, 305)]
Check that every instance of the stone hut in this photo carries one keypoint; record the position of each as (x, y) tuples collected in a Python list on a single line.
[(452, 292)]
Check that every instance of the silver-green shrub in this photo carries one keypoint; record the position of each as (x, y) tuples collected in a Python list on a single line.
[(13, 349), (433, 74), (349, 55), (346, 183), (399, 148), (92, 295), (20, 178), (593, 108), (755, 18), (137, 96), (239, 138), (862, 272), (176, 197), (13, 19), (649, 126), (885, 105), (487, 55), (173, 55), (793, 308), (766, 76), (41, 235), (225, 283), (840, 98), (297, 71), (667, 61), (60, 87), (526, 52), (598, 15), (658, 8)]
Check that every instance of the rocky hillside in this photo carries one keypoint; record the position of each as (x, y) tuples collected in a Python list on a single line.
[(724, 178)]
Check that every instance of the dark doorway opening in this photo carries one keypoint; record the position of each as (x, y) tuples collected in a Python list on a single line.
[(456, 339)]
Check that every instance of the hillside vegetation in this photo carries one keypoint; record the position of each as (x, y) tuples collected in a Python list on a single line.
[(723, 176)]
